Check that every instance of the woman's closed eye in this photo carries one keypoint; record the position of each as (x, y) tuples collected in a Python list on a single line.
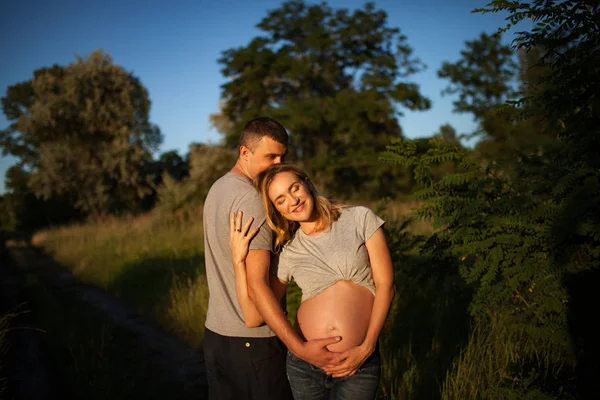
[(282, 199)]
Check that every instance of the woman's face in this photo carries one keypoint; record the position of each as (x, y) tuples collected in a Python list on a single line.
[(291, 197)]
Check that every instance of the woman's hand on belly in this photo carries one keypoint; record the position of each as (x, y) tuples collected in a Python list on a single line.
[(352, 359)]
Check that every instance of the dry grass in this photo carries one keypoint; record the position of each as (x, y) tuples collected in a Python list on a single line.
[(157, 263), (4, 324), (482, 364), (186, 311), (153, 262)]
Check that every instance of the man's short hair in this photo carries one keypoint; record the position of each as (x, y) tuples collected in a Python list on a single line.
[(260, 127)]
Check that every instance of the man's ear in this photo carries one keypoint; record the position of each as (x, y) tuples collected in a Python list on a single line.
[(244, 152)]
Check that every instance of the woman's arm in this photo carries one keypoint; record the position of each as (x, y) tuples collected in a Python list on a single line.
[(383, 277), (239, 244)]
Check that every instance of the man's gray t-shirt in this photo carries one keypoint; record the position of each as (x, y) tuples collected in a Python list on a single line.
[(339, 253), (231, 193)]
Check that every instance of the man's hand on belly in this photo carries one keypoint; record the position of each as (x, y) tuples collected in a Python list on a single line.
[(315, 352)]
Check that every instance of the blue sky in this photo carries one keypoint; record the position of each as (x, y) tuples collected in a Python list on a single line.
[(173, 48)]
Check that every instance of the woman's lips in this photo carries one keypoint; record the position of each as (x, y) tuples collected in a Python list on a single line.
[(299, 208)]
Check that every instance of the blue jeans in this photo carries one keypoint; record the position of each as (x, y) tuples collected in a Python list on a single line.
[(311, 383)]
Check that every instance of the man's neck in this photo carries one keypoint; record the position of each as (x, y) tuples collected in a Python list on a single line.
[(239, 169)]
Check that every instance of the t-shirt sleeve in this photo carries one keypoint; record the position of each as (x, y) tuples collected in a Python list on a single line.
[(283, 269), (369, 221), (251, 206)]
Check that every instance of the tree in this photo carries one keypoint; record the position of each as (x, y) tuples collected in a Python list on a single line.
[(335, 79), (82, 132), (485, 78), (528, 244), (207, 163), (23, 211), (448, 134), (171, 163)]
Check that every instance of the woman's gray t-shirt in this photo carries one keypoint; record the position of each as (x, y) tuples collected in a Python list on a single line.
[(339, 253)]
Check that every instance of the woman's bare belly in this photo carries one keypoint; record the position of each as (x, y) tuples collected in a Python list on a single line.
[(343, 309)]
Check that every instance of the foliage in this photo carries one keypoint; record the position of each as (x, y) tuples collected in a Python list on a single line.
[(171, 163), (22, 211), (520, 240), (82, 132), (336, 80), (207, 163), (485, 78)]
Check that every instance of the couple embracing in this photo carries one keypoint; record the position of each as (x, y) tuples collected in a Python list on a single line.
[(280, 228)]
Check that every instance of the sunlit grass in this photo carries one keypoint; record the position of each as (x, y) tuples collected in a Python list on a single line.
[(153, 262), (186, 310), (156, 262)]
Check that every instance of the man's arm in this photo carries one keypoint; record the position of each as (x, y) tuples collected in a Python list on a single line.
[(313, 351)]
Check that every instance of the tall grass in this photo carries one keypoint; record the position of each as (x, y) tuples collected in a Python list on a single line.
[(4, 324), (187, 306), (91, 357), (156, 262), (481, 364)]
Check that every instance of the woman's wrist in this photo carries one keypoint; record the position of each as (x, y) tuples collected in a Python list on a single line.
[(369, 346)]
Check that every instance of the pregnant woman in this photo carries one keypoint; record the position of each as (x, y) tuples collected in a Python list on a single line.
[(339, 258)]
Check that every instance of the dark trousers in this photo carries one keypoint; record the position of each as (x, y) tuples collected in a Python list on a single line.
[(245, 368)]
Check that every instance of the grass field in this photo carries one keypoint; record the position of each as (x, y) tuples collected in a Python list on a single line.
[(156, 263)]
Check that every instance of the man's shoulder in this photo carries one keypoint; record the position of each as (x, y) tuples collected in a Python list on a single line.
[(232, 193), (231, 185)]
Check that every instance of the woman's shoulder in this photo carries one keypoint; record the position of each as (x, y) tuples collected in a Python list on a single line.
[(289, 245), (359, 217), (355, 211)]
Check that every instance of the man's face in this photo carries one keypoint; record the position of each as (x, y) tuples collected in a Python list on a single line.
[(266, 153)]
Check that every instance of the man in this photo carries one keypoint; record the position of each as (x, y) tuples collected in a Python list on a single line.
[(242, 362)]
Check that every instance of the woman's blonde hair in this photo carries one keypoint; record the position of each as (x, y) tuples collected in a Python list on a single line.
[(327, 210)]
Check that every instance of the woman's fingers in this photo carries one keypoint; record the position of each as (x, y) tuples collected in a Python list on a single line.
[(253, 233), (238, 222), (247, 226), (231, 223), (235, 225), (342, 374)]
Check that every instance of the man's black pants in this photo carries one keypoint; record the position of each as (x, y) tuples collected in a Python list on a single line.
[(245, 368)]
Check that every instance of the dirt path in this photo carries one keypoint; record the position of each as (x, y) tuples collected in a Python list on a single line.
[(24, 371), (180, 365)]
